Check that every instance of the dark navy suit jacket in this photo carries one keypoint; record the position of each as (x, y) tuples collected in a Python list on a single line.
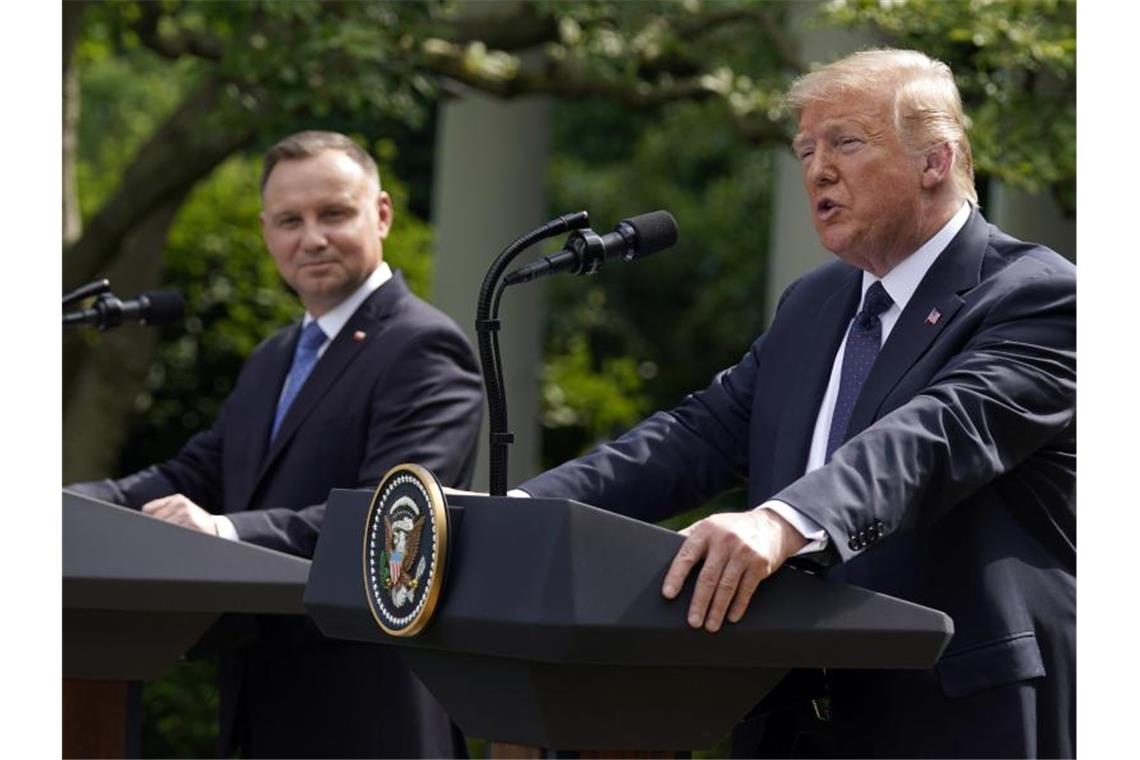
[(955, 488), (409, 391)]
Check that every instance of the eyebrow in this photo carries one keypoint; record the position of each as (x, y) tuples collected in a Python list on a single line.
[(832, 126)]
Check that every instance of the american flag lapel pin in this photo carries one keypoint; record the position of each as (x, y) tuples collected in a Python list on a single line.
[(933, 317)]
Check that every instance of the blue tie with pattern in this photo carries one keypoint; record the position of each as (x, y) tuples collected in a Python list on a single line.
[(863, 340), (312, 338)]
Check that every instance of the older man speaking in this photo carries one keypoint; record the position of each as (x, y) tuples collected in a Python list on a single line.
[(908, 420)]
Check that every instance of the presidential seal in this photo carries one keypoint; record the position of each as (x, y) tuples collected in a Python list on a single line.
[(405, 549)]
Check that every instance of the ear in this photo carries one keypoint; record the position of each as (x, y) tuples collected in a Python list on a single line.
[(939, 162), (385, 213)]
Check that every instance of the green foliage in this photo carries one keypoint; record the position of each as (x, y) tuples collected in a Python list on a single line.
[(180, 713), (1016, 65), (124, 99), (640, 337), (575, 395)]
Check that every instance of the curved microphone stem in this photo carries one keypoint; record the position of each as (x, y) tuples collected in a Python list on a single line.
[(487, 329)]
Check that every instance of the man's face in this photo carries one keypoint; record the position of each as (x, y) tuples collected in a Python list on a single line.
[(864, 187), (324, 222)]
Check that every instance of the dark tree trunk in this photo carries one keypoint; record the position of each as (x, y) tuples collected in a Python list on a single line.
[(104, 372), (125, 241)]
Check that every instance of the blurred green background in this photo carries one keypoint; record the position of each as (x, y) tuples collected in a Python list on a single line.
[(168, 105)]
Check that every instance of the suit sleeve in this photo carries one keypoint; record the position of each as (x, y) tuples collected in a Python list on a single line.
[(1004, 397), (427, 409), (672, 461)]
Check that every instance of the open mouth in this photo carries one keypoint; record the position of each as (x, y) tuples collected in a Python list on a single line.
[(826, 208)]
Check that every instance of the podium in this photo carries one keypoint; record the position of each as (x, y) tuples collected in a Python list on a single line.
[(551, 630), (137, 593)]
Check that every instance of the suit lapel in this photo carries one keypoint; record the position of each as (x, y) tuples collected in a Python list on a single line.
[(956, 270), (808, 375), (252, 421), (330, 368)]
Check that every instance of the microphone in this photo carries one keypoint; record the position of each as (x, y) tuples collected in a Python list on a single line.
[(155, 307), (586, 251)]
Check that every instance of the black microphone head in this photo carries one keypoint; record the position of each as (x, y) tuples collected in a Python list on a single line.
[(161, 307), (656, 231)]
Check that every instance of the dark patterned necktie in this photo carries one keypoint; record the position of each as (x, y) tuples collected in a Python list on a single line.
[(863, 340), (311, 340)]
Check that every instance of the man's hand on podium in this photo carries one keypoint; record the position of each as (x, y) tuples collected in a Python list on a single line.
[(739, 549), (181, 511)]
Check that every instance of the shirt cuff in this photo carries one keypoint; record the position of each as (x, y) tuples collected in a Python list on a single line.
[(518, 493), (225, 528), (812, 532)]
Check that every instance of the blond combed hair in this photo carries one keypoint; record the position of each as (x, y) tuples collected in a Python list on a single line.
[(927, 104)]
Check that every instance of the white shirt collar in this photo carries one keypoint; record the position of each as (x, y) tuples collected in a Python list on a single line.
[(901, 282), (334, 320)]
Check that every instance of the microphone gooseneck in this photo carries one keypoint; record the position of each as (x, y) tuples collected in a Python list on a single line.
[(487, 333), (584, 253)]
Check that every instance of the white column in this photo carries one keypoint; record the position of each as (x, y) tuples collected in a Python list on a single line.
[(490, 165), (1034, 218)]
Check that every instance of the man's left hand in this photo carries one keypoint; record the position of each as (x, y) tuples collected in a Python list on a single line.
[(181, 511), (739, 549)]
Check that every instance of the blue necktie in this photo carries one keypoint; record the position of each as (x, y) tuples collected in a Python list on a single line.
[(863, 340), (305, 356)]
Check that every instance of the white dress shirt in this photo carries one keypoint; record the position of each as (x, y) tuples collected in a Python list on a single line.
[(331, 322)]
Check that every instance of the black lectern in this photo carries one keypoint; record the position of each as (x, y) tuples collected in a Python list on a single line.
[(137, 593), (552, 630)]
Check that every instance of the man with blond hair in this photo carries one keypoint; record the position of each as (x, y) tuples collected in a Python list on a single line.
[(908, 421), (370, 377)]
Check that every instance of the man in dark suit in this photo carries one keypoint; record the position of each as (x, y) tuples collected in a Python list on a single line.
[(908, 420), (372, 377)]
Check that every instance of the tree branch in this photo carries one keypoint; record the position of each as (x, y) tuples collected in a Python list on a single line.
[(500, 25), (181, 151), (554, 78)]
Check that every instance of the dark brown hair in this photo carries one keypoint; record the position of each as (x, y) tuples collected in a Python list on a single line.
[(311, 143)]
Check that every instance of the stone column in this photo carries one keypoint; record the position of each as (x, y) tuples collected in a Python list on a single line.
[(490, 165), (1034, 218)]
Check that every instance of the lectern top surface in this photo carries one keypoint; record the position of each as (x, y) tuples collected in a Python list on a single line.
[(118, 558)]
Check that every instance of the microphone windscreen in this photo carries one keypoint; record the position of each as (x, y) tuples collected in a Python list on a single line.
[(162, 306), (656, 231)]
